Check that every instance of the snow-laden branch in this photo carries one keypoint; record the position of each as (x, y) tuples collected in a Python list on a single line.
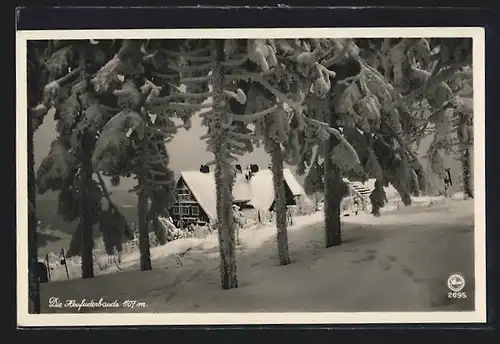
[(242, 136), (154, 173), (161, 160), (258, 78), (195, 79), (108, 198), (181, 95), (338, 57), (253, 116), (185, 69), (433, 80), (187, 106), (236, 61), (165, 132), (165, 76), (63, 80), (325, 70), (237, 144), (239, 95), (337, 134), (51, 91), (186, 54), (157, 182)]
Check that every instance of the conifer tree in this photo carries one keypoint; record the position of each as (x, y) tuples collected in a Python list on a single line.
[(270, 119), (80, 112), (431, 73), (38, 106), (375, 82), (221, 65), (279, 73), (133, 141), (461, 130)]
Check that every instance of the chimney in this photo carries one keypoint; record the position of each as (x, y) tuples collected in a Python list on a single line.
[(248, 175), (238, 168), (254, 168), (204, 169)]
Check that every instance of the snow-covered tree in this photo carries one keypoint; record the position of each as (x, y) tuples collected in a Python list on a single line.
[(80, 111), (66, 168), (430, 73), (218, 77), (281, 72), (269, 117), (38, 106), (133, 141), (368, 103)]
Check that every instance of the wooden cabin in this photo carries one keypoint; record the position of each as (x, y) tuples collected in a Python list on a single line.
[(253, 188)]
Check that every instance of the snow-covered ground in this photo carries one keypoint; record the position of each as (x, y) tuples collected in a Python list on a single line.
[(397, 262)]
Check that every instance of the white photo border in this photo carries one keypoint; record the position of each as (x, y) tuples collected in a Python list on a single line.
[(133, 319)]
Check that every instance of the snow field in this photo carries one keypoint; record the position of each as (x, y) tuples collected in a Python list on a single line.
[(397, 262)]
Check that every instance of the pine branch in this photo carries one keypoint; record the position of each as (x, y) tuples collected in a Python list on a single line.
[(241, 136), (106, 194), (235, 62), (206, 78), (254, 116), (336, 133), (157, 182), (161, 160), (437, 79), (186, 69), (177, 95), (338, 57), (237, 144), (63, 80), (256, 77), (186, 54), (165, 76), (154, 173), (186, 106)]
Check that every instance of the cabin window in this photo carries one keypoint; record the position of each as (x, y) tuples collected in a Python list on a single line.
[(185, 210), (184, 198), (176, 210), (194, 210)]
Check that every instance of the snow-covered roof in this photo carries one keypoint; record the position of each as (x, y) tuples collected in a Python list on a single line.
[(390, 191), (259, 191)]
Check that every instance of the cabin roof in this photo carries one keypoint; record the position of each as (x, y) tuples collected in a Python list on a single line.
[(369, 186), (259, 191)]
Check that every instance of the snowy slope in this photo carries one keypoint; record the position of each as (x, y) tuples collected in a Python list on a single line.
[(384, 264)]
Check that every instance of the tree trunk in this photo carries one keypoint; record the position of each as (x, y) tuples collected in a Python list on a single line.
[(280, 203), (333, 194), (34, 283), (142, 208), (142, 213), (465, 143), (466, 173), (223, 177), (87, 216)]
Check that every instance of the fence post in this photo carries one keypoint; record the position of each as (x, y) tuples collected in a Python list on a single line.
[(63, 261), (48, 267)]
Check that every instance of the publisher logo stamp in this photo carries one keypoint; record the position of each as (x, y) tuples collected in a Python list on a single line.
[(456, 282)]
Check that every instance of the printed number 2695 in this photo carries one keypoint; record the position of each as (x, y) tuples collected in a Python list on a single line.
[(457, 295)]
